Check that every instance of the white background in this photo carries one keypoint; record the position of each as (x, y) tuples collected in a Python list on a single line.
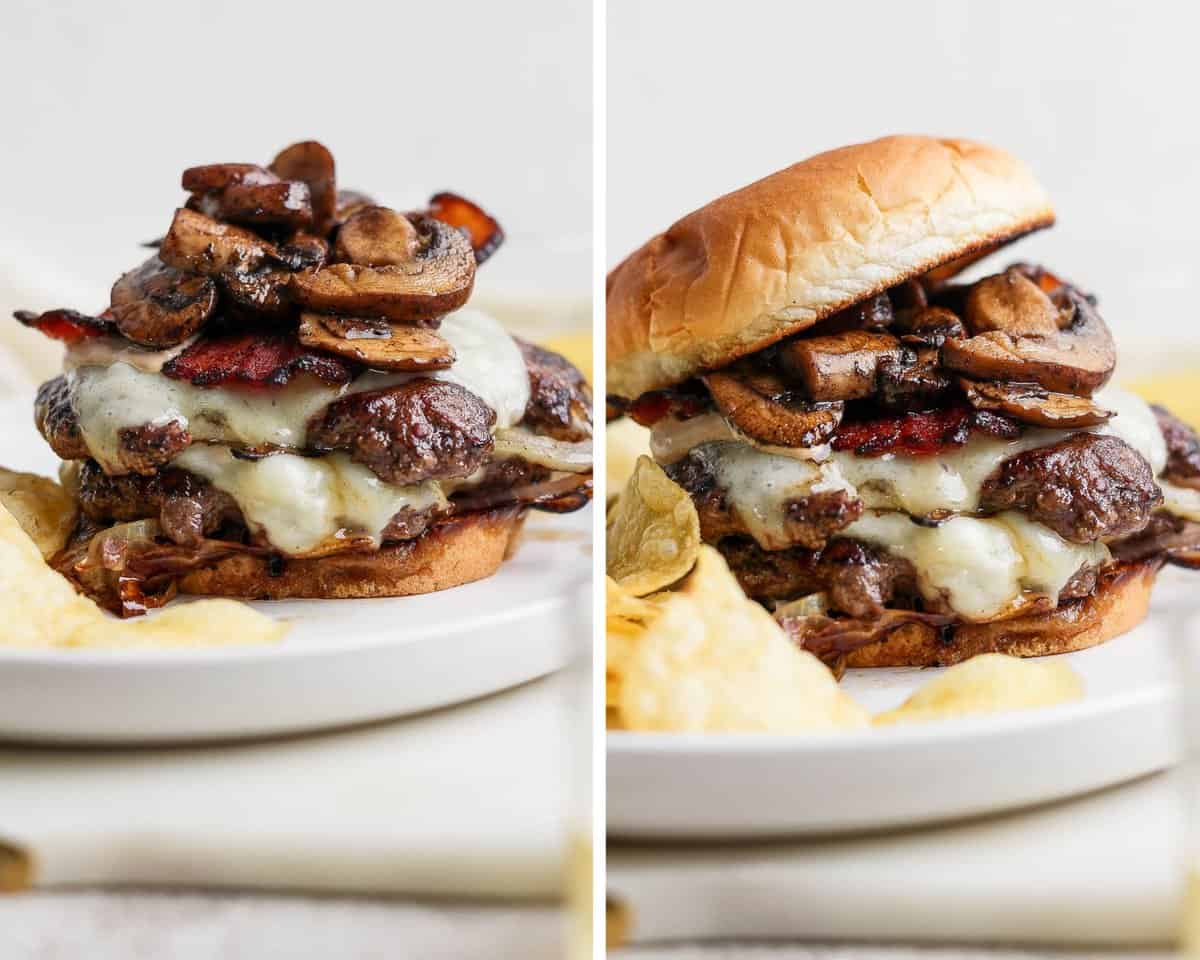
[(1100, 99), (103, 105)]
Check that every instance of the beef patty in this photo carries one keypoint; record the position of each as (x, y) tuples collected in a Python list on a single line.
[(420, 430), (1183, 449), (1084, 488), (560, 400)]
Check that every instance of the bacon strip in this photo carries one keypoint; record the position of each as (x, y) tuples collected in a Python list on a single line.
[(255, 359), (69, 326), (481, 228), (920, 434)]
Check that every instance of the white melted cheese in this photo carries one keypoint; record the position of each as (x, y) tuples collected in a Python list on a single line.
[(298, 503), (758, 485), (117, 389), (103, 351), (980, 567)]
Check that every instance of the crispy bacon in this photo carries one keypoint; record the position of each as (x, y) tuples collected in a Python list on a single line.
[(255, 359), (481, 228), (921, 433), (69, 326), (683, 402)]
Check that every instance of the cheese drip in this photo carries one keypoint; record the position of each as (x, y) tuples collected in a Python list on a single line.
[(980, 567), (298, 503), (115, 390)]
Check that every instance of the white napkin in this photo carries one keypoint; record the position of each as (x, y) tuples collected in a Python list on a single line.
[(468, 801), (1105, 869)]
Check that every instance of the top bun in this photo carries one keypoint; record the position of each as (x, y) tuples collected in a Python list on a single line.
[(773, 258)]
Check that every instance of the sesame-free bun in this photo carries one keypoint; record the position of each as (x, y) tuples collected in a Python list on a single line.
[(1119, 604), (457, 551), (773, 258)]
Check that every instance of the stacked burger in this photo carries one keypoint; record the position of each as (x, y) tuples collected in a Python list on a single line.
[(907, 468), (289, 399)]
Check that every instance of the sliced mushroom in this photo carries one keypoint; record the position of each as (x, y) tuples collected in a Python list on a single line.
[(1011, 303), (376, 237), (1078, 358), (841, 366), (286, 203), (402, 348), (913, 380), (909, 295), (312, 164), (761, 407), (350, 202), (874, 313), (246, 193), (1034, 404), (218, 176), (156, 305), (203, 245), (302, 251), (435, 281), (262, 291), (929, 326)]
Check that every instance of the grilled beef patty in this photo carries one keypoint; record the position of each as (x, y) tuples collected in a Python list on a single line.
[(1084, 488)]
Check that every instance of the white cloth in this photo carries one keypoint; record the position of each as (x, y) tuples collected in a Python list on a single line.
[(153, 926), (1104, 869), (468, 801)]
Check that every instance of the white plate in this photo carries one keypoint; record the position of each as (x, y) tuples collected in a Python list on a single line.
[(344, 661), (758, 785)]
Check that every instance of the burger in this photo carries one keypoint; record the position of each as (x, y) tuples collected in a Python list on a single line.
[(291, 398), (909, 468)]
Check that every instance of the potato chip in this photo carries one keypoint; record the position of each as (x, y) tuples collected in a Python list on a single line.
[(653, 533), (39, 608), (989, 683), (711, 660), (624, 441), (619, 602), (45, 511)]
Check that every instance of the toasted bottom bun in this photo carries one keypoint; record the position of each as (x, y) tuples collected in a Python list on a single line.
[(458, 551), (1119, 603)]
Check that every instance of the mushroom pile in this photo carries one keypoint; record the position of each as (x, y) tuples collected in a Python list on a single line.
[(917, 368), (327, 275)]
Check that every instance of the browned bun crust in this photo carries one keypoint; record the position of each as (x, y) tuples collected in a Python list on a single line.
[(1119, 604), (458, 551), (773, 258)]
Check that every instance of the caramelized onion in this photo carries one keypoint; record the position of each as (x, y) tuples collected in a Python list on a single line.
[(544, 451)]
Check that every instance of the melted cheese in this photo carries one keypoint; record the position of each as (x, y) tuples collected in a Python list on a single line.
[(980, 567), (103, 351), (758, 486), (298, 502), (117, 389)]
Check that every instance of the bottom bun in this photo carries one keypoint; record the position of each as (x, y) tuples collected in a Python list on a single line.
[(1119, 603), (457, 551)]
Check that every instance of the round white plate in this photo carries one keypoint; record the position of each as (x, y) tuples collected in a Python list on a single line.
[(662, 785), (343, 662)]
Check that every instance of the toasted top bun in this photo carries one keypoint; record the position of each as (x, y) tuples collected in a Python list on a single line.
[(465, 548), (773, 258), (1118, 604)]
